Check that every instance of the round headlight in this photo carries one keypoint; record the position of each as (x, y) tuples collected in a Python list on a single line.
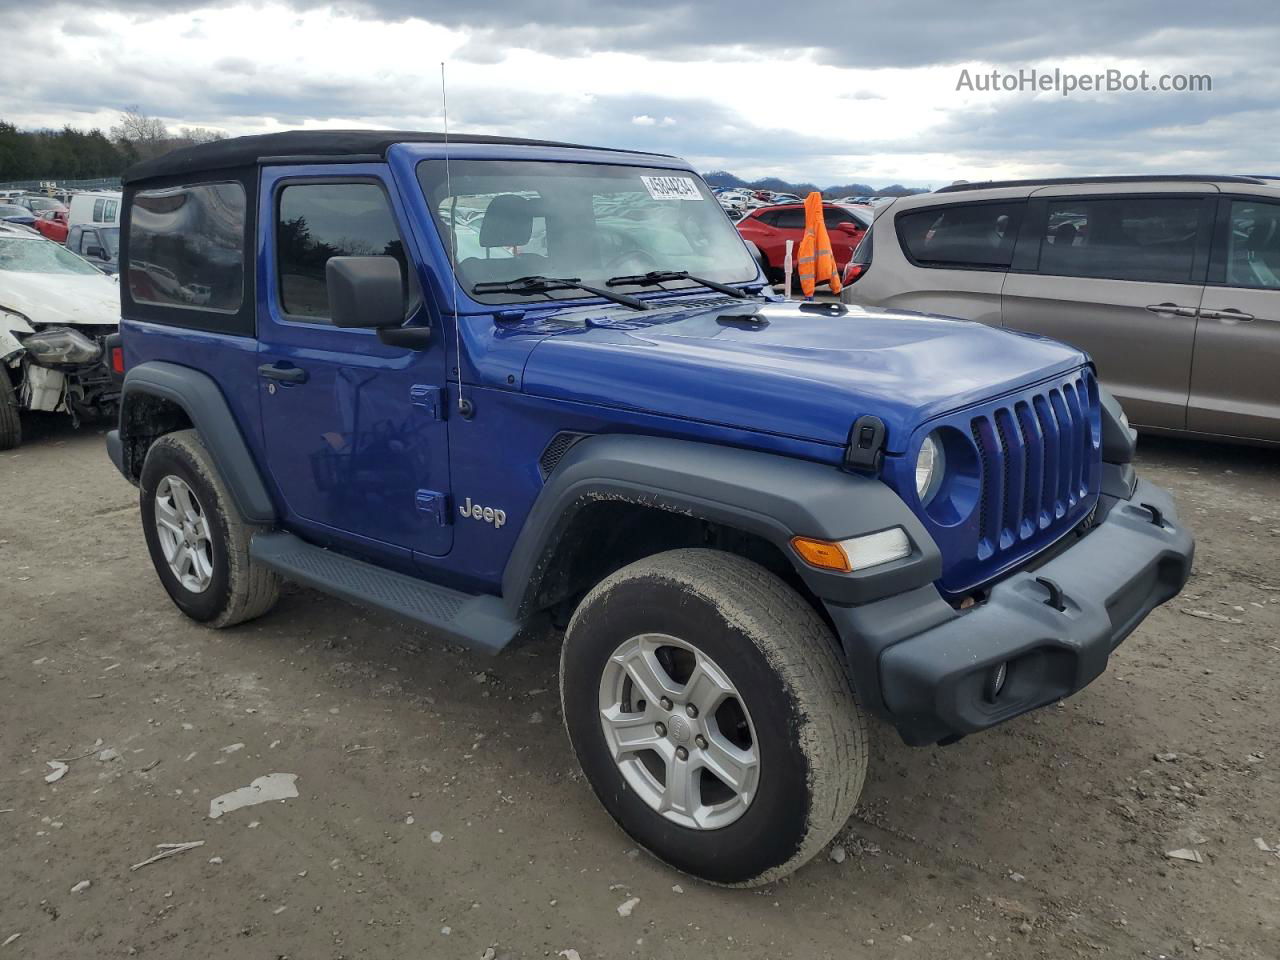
[(929, 469)]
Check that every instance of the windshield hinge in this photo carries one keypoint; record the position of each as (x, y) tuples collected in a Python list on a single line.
[(428, 399)]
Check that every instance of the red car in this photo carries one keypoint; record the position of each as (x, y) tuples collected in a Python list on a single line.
[(52, 225), (769, 228)]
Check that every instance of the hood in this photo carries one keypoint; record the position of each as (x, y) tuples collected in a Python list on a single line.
[(61, 298), (792, 372)]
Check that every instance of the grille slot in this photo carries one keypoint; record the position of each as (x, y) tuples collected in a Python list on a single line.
[(1036, 458)]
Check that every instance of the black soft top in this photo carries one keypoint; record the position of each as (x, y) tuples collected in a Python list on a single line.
[(264, 147)]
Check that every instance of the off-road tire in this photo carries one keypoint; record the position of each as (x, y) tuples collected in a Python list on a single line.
[(10, 424), (783, 660), (240, 589)]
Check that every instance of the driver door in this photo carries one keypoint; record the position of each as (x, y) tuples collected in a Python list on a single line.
[(354, 430)]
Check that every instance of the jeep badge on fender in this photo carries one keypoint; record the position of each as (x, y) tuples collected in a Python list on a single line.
[(485, 514), (742, 578)]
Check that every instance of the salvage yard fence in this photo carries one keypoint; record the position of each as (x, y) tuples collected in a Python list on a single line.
[(53, 186)]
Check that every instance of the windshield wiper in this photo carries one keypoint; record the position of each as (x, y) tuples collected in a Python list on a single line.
[(655, 277), (531, 285)]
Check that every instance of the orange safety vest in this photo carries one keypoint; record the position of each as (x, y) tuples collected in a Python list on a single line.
[(816, 262)]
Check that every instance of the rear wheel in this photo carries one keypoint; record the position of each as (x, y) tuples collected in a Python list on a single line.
[(10, 424), (712, 716), (198, 541)]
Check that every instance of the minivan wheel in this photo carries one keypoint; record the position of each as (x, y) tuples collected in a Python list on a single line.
[(198, 541), (712, 715)]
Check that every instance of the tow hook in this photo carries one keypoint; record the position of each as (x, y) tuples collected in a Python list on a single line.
[(1056, 597)]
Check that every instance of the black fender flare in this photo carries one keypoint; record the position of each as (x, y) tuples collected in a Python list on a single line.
[(201, 398), (769, 495)]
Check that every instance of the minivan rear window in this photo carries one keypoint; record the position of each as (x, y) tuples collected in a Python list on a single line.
[(973, 235), (186, 247)]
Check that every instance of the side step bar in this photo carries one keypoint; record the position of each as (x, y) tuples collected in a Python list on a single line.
[(478, 621)]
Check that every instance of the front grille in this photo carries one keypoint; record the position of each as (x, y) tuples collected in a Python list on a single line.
[(1037, 462)]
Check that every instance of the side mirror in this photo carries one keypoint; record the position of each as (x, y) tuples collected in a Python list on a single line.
[(365, 292), (368, 293), (94, 252)]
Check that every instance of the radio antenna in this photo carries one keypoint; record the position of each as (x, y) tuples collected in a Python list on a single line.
[(464, 406)]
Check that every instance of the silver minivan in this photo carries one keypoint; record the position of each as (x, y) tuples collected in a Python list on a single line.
[(1171, 284)]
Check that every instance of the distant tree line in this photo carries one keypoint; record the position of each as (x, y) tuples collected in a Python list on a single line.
[(71, 154)]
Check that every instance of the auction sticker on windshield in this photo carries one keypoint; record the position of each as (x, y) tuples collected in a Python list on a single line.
[(672, 188)]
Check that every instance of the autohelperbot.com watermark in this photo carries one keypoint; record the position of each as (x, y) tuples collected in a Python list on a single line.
[(1065, 82)]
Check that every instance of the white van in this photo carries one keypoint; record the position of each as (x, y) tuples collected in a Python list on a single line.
[(100, 207)]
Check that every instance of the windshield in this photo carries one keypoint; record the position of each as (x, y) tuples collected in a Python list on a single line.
[(588, 221), (40, 256), (110, 237), (13, 210)]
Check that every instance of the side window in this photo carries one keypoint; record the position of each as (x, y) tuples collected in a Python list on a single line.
[(1253, 245), (98, 207), (73, 239), (768, 218), (186, 247), (316, 221), (1122, 238), (979, 235), (109, 212), (833, 218), (789, 219)]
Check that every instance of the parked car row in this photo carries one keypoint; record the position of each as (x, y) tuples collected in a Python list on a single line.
[(1171, 284), (88, 223), (741, 201)]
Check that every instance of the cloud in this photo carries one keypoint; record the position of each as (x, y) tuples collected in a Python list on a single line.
[(872, 34), (835, 96)]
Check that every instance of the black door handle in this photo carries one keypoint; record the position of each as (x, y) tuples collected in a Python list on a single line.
[(287, 374)]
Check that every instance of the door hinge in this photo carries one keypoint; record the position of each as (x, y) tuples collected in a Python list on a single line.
[(435, 505), (428, 399)]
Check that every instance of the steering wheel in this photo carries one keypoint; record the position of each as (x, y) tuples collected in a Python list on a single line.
[(630, 261)]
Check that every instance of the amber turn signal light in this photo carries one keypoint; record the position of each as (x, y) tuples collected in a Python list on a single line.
[(822, 554)]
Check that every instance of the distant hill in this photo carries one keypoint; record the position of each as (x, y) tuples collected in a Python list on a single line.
[(723, 178)]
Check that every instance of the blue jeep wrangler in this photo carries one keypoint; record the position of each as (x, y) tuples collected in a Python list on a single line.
[(488, 384)]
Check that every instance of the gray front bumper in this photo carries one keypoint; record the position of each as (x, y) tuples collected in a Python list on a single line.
[(934, 665)]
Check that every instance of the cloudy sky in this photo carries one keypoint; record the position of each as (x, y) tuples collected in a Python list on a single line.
[(826, 91)]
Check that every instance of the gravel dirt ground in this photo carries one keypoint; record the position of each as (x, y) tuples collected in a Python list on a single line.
[(440, 812)]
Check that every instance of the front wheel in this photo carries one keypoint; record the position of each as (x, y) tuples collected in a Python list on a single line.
[(712, 715)]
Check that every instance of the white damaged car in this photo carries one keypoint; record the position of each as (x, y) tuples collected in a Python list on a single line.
[(56, 313)]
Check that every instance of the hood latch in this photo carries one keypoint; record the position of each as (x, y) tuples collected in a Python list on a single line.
[(865, 451)]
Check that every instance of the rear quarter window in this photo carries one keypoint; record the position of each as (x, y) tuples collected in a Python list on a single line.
[(972, 235), (186, 247)]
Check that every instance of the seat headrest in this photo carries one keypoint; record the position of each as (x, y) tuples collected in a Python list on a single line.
[(508, 222)]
